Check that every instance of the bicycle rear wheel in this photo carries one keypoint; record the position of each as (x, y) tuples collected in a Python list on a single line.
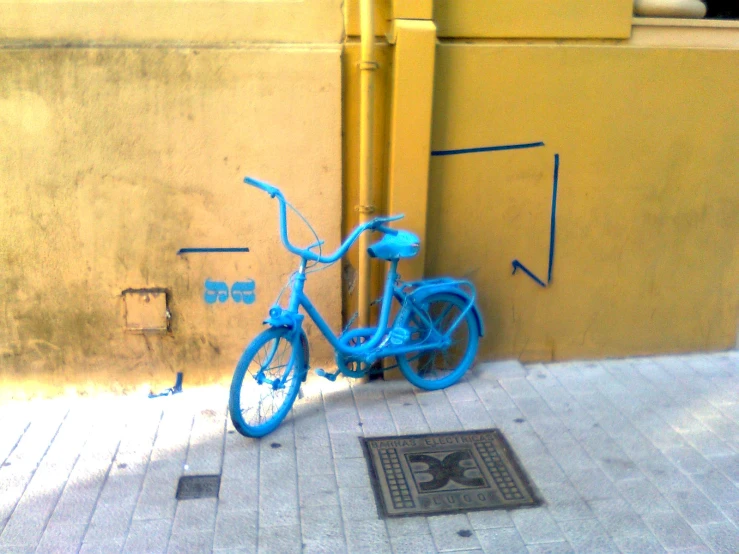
[(266, 382), (437, 369)]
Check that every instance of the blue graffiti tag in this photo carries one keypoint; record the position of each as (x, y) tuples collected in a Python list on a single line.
[(215, 291), (182, 251), (486, 149), (241, 292), (518, 265), (553, 221), (552, 229)]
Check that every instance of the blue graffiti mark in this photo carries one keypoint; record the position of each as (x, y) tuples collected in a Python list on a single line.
[(215, 291), (552, 228), (174, 390), (486, 149), (553, 223), (243, 291), (518, 265), (204, 250)]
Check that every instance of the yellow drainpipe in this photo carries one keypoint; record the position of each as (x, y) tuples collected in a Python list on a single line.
[(367, 67)]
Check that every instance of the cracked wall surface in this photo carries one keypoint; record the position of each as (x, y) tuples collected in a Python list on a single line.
[(115, 155)]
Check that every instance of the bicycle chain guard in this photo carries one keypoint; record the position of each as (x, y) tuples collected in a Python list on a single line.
[(348, 365)]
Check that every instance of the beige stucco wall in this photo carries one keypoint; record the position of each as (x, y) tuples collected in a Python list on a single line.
[(161, 21), (114, 156)]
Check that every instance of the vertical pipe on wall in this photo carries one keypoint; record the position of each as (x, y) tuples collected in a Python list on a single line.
[(367, 67)]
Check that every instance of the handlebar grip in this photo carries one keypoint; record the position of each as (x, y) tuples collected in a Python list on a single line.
[(387, 230), (377, 224), (385, 219), (269, 189)]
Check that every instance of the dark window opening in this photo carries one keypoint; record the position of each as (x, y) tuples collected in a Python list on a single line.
[(722, 9)]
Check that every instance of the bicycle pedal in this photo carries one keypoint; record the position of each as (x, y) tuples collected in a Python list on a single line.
[(330, 376)]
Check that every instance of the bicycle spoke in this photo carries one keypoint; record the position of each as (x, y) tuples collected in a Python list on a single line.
[(446, 322), (261, 398), (441, 313), (447, 364), (438, 321)]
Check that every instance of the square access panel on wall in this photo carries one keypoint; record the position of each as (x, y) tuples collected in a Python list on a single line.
[(146, 310)]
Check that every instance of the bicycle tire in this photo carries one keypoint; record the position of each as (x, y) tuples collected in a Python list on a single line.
[(246, 385), (418, 367)]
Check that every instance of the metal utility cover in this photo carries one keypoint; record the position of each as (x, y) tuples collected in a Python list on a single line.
[(146, 310), (446, 473), (198, 486)]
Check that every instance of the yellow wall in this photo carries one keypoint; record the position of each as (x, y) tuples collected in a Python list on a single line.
[(156, 21), (126, 128), (510, 19), (533, 18), (642, 113), (646, 255), (350, 99), (115, 157)]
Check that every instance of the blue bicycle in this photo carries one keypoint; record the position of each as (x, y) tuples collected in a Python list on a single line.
[(433, 337)]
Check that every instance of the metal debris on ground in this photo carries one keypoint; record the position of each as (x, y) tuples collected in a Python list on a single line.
[(170, 391)]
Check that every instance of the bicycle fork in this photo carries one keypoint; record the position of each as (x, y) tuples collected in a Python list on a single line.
[(261, 378)]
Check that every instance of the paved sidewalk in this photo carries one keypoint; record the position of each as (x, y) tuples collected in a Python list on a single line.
[(638, 455)]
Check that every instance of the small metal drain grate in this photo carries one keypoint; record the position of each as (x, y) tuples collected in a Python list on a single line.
[(446, 473), (198, 486)]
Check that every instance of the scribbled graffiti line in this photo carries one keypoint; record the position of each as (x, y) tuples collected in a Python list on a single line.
[(552, 230)]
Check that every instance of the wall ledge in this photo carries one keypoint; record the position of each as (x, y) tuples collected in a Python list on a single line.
[(196, 21), (678, 22)]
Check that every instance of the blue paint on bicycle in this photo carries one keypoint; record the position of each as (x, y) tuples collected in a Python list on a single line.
[(433, 337)]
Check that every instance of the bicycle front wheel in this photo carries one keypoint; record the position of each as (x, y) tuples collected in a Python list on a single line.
[(437, 369), (266, 382)]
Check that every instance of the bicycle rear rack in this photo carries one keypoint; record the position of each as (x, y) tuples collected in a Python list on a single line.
[(414, 289)]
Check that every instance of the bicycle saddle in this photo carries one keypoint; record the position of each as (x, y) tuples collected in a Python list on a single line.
[(394, 247)]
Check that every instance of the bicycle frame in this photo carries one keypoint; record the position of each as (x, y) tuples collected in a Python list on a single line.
[(376, 346), (417, 328)]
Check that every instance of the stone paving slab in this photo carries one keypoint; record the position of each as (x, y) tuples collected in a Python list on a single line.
[(636, 455)]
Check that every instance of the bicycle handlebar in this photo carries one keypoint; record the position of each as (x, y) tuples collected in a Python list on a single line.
[(376, 225), (386, 230), (387, 218), (269, 189)]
